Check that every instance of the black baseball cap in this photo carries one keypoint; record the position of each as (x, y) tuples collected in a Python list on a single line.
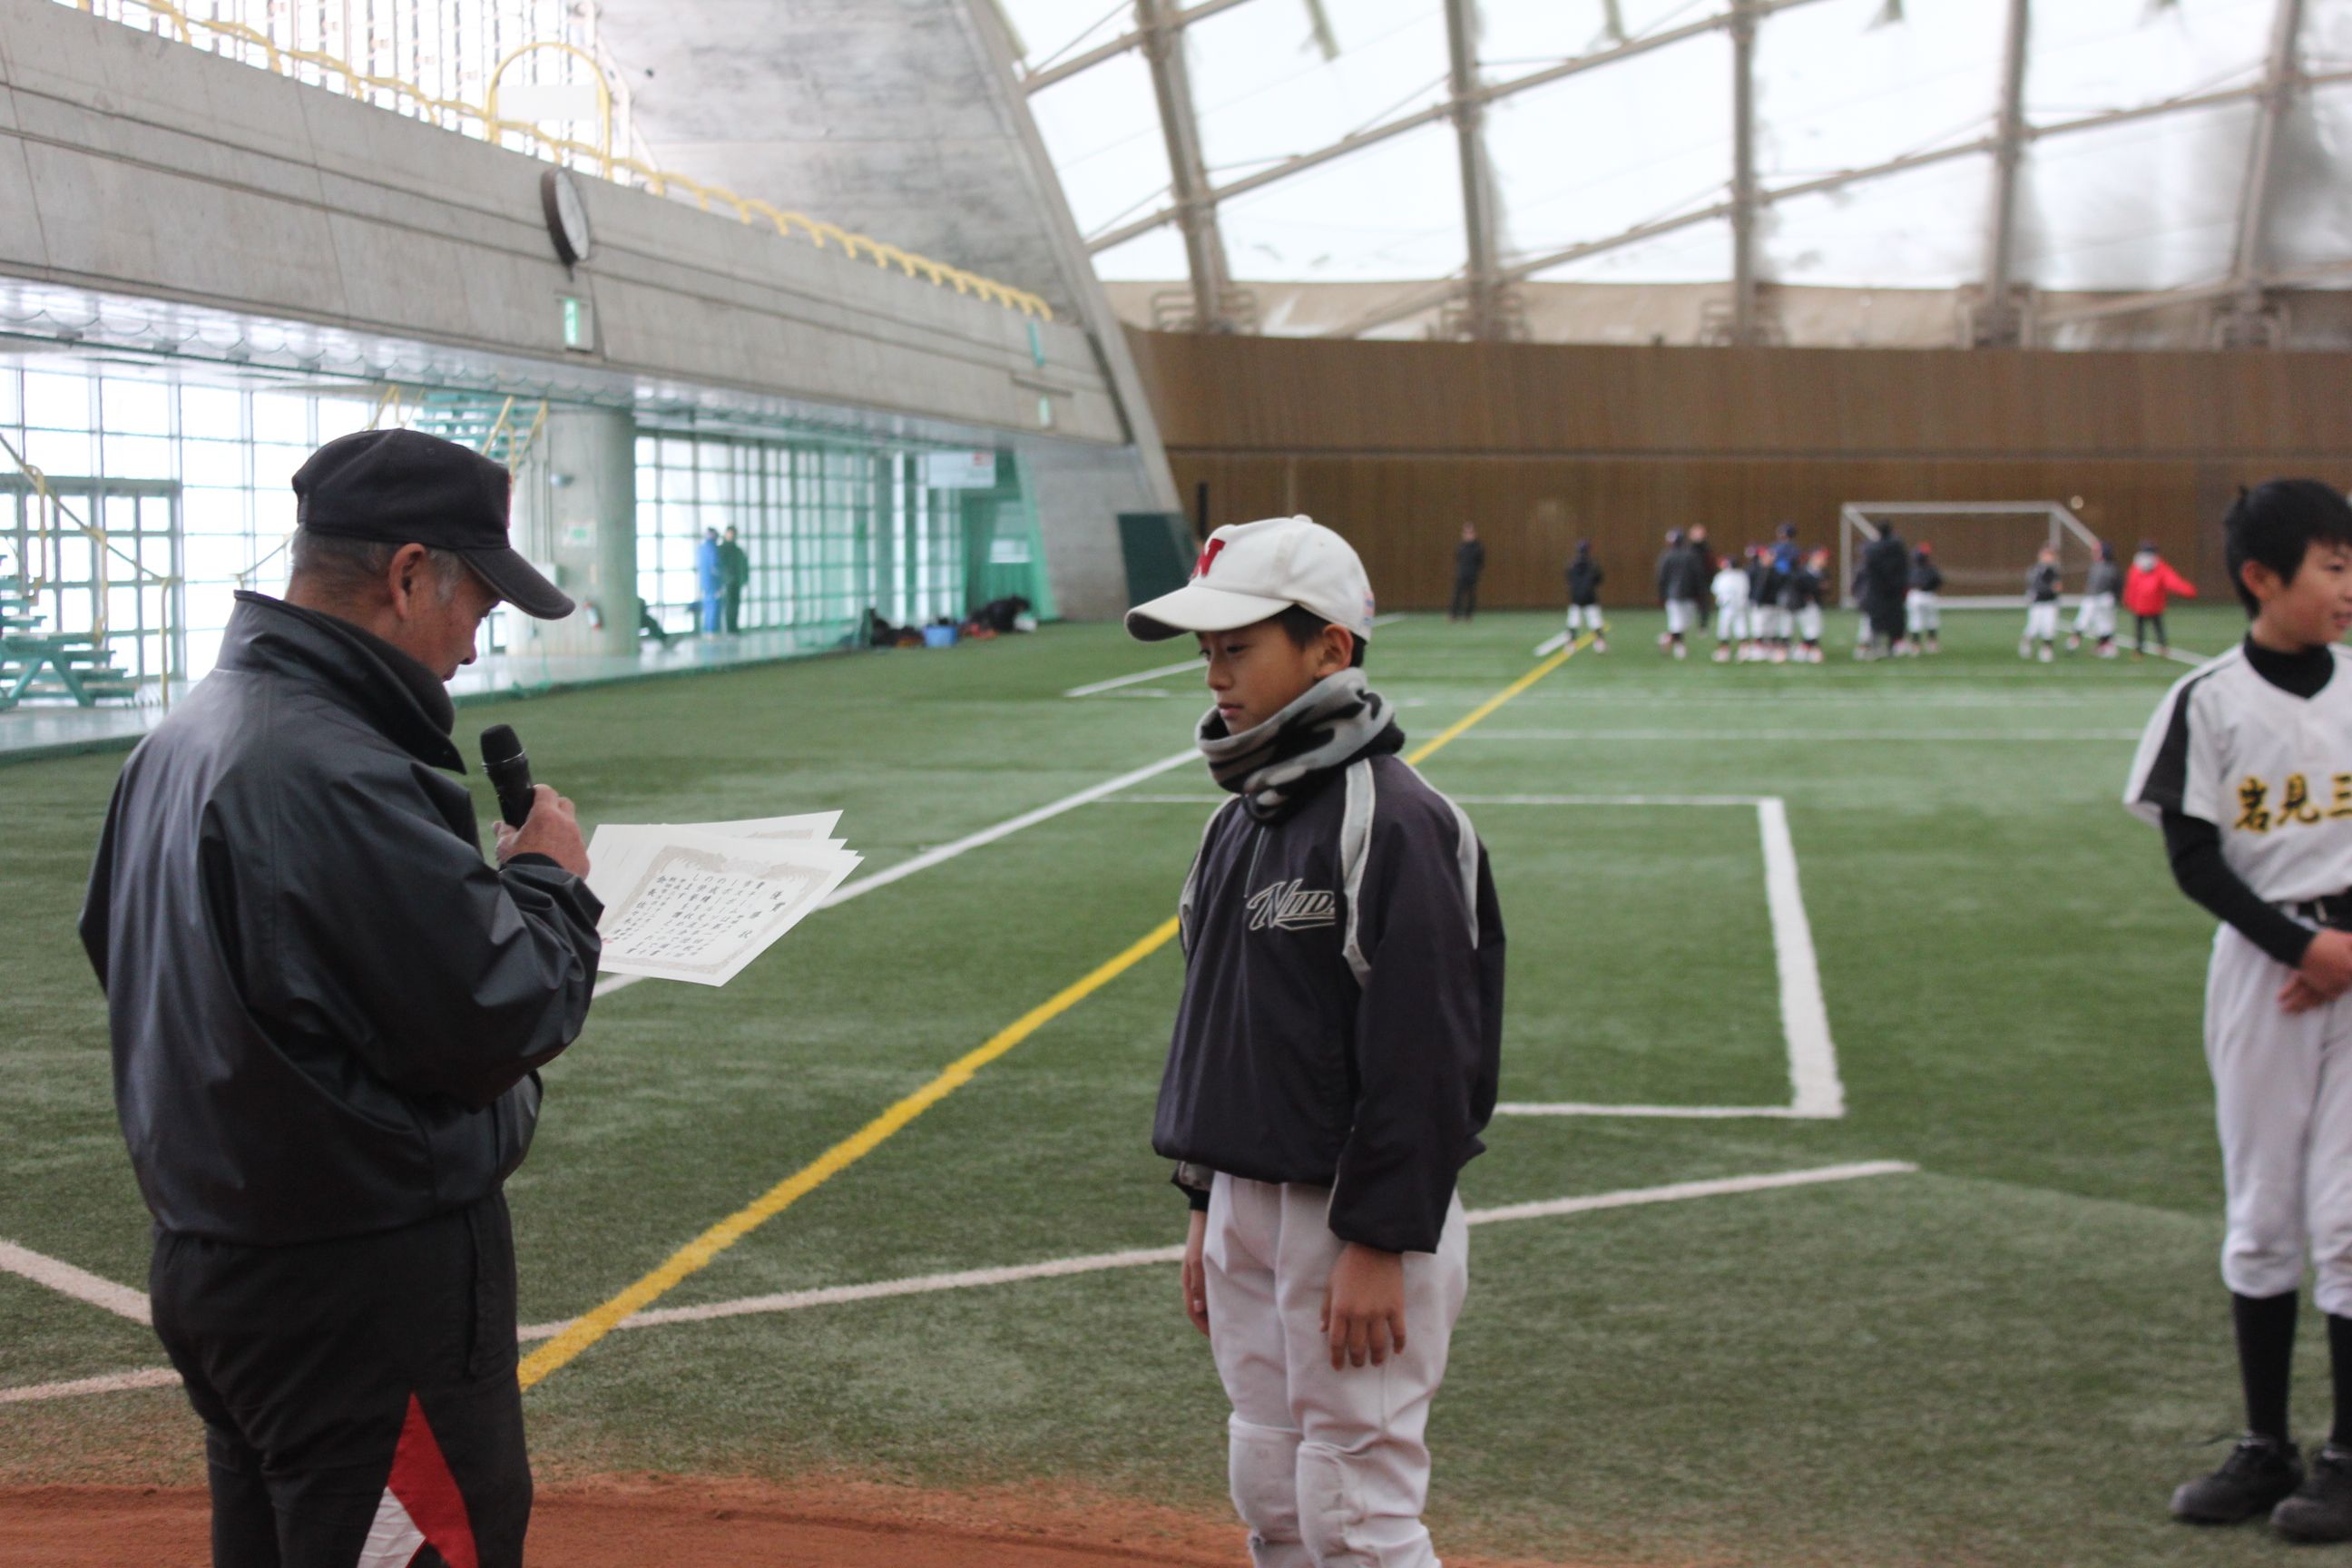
[(404, 486)]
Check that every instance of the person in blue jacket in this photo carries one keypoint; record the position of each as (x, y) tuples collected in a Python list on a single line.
[(710, 580)]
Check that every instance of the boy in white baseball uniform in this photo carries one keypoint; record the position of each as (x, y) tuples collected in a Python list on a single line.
[(1730, 590), (2247, 767), (2040, 607), (1334, 1057)]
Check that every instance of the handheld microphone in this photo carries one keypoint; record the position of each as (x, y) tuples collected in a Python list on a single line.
[(510, 771)]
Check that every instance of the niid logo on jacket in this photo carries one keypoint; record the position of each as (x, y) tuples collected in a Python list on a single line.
[(1291, 906)]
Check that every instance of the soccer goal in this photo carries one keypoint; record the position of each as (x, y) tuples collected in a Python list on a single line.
[(1985, 548)]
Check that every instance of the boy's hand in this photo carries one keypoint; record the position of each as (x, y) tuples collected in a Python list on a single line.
[(1363, 1306), (1196, 1276), (2324, 973)]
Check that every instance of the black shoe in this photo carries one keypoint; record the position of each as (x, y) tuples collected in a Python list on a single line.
[(2321, 1508), (2258, 1475)]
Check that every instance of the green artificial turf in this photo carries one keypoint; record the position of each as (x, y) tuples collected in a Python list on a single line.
[(2005, 1358)]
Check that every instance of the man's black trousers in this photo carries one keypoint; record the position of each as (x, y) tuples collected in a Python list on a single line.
[(358, 1396), (1465, 598)]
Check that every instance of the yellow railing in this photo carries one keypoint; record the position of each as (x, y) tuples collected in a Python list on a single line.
[(282, 60), (50, 521)]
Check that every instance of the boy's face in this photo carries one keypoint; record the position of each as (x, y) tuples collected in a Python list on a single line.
[(2312, 608), (1256, 671)]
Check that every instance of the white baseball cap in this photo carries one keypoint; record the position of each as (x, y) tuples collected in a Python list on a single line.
[(1250, 571)]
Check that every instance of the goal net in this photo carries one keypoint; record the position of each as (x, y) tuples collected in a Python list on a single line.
[(1984, 548)]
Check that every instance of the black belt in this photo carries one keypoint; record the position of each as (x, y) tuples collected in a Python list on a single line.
[(2331, 910)]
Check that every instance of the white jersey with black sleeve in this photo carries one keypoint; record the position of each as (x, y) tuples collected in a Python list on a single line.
[(2271, 769)]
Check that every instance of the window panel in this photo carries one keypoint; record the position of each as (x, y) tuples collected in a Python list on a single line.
[(2150, 204), (1391, 211), (1838, 89), (1601, 154), (2092, 54), (215, 411), (1102, 128)]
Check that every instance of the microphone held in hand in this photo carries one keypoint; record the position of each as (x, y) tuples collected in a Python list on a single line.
[(510, 771)]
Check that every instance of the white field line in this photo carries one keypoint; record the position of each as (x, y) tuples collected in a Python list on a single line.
[(1711, 737), (929, 1284), (1064, 1267), (1115, 682), (112, 1382), (860, 886), (1488, 799), (78, 1283)]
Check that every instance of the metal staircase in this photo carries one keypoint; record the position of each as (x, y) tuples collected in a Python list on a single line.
[(37, 664), (492, 425)]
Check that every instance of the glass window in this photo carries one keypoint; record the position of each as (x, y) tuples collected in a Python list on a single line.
[(214, 412)]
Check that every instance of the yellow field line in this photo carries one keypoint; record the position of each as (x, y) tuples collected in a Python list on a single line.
[(586, 1331)]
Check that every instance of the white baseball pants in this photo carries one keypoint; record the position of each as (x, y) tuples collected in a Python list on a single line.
[(2283, 1097), (1731, 622), (2042, 622), (1582, 617), (1924, 611), (2096, 617), (1682, 615), (1329, 1469), (1808, 624)]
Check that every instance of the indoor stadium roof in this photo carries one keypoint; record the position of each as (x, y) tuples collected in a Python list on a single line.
[(2172, 147)]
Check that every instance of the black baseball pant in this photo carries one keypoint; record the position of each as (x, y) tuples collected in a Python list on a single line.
[(357, 1395)]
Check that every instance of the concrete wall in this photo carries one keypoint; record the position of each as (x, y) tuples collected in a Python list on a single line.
[(131, 164)]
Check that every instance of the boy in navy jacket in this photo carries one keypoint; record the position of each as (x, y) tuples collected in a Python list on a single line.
[(1334, 1058)]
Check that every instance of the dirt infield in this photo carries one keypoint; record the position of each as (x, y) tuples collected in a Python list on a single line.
[(625, 1522)]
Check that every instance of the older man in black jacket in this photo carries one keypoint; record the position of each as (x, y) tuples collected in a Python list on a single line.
[(327, 1010)]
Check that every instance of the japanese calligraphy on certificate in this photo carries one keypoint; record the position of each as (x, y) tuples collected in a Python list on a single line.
[(699, 901)]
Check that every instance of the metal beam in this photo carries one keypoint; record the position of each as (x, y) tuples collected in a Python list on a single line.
[(2262, 167), (1443, 290), (2163, 298), (1485, 316), (1744, 204), (1487, 94), (1204, 246), (1998, 323), (1038, 81)]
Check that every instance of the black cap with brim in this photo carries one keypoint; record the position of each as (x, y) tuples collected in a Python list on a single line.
[(404, 486)]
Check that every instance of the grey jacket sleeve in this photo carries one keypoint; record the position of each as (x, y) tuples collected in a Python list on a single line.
[(386, 930), (1428, 1025)]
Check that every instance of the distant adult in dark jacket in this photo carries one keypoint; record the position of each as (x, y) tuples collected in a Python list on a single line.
[(734, 576), (327, 1010), (1886, 577), (1469, 561), (1584, 580)]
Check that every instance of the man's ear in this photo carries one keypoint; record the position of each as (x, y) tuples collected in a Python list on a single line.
[(408, 580)]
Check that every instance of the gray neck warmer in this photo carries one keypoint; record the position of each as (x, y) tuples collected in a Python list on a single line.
[(1332, 722)]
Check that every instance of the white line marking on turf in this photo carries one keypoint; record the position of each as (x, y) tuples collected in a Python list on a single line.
[(1710, 736), (1062, 1268), (1101, 1262), (946, 852), (112, 1382), (1115, 682), (78, 1283), (1488, 799), (1805, 1015)]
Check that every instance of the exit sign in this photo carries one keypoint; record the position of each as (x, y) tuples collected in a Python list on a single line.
[(578, 323)]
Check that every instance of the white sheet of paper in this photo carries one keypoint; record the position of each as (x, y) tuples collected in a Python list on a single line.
[(684, 902)]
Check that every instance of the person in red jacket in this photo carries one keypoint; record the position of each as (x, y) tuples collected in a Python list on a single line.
[(2148, 586)]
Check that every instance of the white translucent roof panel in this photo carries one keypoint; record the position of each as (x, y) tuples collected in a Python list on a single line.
[(1154, 256), (1923, 229), (1598, 155), (1262, 90), (1102, 130), (2310, 223), (2146, 205), (1515, 34), (1839, 87), (1392, 211), (1050, 30), (2091, 54), (1699, 254)]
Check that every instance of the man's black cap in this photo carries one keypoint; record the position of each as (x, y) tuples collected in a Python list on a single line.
[(404, 486)]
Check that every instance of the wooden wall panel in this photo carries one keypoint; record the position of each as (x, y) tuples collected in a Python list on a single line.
[(1396, 445)]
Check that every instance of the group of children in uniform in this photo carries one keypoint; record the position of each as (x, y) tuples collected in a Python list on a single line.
[(1768, 601)]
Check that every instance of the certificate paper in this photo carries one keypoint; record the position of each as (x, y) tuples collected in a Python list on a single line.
[(698, 902)]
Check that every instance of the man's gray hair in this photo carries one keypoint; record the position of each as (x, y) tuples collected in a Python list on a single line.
[(342, 569)]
